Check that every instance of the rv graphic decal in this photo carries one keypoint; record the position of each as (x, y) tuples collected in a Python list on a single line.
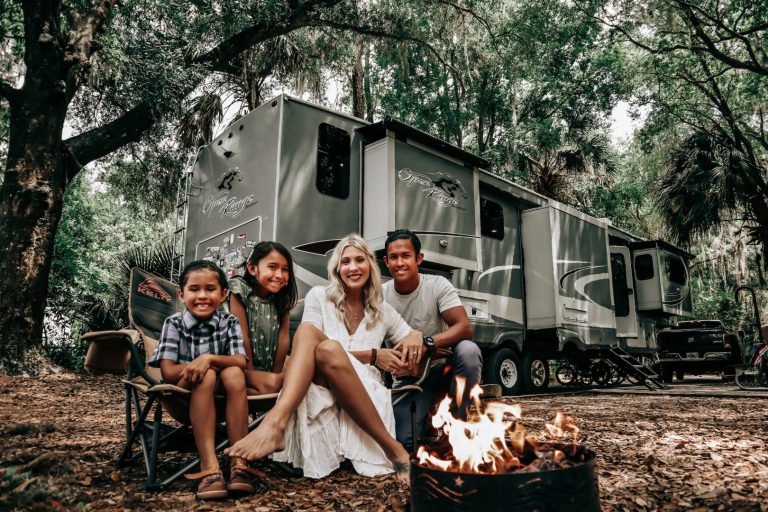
[(226, 205), (576, 281), (676, 298), (321, 247), (228, 177), (442, 189)]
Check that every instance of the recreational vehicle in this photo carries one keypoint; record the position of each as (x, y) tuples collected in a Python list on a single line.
[(539, 279)]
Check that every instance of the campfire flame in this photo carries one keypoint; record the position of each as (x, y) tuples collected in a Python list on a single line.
[(492, 440)]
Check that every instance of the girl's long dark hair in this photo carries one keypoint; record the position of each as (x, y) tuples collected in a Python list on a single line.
[(286, 298)]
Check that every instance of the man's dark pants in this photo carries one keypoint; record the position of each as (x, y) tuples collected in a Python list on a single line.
[(466, 361)]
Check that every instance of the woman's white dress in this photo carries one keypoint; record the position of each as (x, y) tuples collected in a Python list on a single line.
[(320, 435)]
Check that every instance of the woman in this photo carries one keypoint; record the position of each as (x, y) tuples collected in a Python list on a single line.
[(334, 404)]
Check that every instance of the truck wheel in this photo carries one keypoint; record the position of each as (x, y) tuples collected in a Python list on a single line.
[(503, 368), (535, 372), (679, 374)]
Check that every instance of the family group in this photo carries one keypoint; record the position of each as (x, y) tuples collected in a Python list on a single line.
[(333, 403)]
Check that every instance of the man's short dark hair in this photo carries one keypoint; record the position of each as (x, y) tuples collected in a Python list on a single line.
[(202, 265), (403, 234)]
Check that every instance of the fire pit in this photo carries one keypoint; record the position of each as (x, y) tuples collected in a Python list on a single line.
[(490, 463)]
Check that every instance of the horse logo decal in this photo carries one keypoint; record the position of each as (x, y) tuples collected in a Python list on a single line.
[(228, 177)]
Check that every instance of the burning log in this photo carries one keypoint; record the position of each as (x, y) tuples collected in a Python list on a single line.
[(489, 462)]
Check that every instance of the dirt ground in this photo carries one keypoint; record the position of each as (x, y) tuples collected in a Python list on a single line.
[(60, 435)]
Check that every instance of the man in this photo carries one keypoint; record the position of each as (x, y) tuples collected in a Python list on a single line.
[(429, 304)]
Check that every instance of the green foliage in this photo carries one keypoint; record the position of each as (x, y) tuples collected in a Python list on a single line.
[(99, 234)]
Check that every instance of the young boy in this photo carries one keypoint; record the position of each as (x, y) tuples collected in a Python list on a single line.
[(429, 304), (201, 349)]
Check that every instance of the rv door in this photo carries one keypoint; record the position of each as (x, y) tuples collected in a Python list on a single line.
[(624, 299)]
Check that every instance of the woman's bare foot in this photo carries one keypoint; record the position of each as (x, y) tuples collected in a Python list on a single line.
[(400, 463), (269, 437), (402, 472)]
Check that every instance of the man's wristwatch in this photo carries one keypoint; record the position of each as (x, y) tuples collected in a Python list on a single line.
[(429, 343)]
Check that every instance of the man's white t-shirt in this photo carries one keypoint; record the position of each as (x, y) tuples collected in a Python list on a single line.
[(422, 307)]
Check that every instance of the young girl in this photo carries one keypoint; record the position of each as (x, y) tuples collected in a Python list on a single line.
[(262, 300)]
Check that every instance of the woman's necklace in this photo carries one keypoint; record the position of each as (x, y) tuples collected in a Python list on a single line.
[(355, 314)]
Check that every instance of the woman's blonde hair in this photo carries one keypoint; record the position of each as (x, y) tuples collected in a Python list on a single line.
[(372, 293)]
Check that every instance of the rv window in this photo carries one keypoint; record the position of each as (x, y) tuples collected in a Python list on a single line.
[(675, 269), (491, 219), (644, 267), (333, 148)]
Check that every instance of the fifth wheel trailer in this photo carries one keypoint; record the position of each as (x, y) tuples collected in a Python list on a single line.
[(538, 279)]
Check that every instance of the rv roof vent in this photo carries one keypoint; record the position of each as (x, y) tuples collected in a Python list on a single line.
[(230, 135), (220, 142)]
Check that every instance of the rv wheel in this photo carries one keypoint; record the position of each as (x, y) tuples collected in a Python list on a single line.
[(503, 368), (535, 372)]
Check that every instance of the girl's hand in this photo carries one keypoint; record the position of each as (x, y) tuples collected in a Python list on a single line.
[(389, 360)]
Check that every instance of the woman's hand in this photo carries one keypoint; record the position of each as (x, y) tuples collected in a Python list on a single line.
[(389, 360)]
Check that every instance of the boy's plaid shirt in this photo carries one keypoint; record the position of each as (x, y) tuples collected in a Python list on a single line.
[(185, 338)]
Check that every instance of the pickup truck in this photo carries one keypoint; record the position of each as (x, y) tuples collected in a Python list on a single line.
[(697, 346)]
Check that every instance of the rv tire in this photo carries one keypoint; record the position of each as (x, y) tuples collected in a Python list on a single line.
[(535, 372), (503, 368)]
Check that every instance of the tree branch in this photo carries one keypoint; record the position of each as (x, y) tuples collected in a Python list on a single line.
[(80, 45), (101, 141), (255, 34), (714, 51), (105, 139), (382, 34), (9, 92)]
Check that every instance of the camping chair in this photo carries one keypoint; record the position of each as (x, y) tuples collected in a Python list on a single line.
[(151, 300)]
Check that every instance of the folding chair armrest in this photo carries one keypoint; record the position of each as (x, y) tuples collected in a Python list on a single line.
[(168, 389), (109, 351), (408, 387), (129, 338)]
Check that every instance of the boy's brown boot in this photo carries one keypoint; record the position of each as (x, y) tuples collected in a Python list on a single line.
[(240, 477), (212, 485)]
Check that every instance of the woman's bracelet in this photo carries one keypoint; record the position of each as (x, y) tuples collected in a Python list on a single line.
[(374, 356)]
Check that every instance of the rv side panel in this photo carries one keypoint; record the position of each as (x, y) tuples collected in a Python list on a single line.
[(539, 269), (495, 302), (232, 201), (319, 185)]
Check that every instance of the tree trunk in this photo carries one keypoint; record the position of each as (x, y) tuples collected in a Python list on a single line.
[(31, 199), (31, 195), (358, 77)]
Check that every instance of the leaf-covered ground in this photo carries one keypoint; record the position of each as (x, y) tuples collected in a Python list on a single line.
[(60, 434)]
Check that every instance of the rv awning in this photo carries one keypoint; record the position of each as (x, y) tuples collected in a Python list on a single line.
[(661, 244), (377, 131)]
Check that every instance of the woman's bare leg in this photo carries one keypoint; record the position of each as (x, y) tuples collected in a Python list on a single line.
[(334, 366), (269, 437)]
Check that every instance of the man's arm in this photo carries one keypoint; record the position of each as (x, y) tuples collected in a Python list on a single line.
[(458, 329)]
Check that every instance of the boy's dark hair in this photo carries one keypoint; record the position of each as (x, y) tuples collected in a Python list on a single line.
[(202, 265), (403, 234), (286, 298)]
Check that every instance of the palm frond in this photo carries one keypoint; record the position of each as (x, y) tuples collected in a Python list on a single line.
[(699, 186), (109, 311), (196, 125)]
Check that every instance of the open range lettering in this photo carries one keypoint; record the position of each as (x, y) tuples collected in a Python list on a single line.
[(442, 189), (227, 206)]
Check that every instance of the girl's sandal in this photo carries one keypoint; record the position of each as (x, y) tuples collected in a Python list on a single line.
[(240, 480), (212, 485)]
